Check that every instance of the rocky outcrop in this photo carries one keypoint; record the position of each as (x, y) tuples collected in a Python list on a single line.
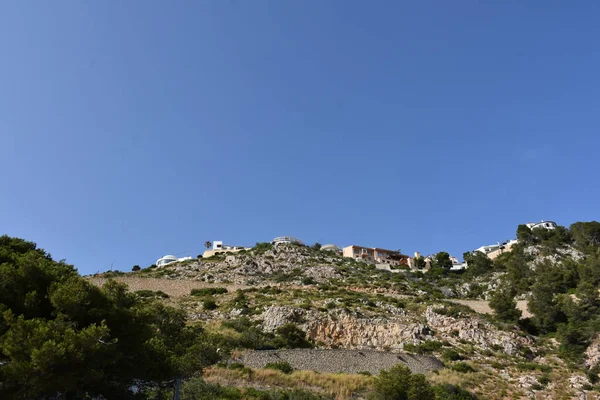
[(474, 330), (592, 353), (351, 330), (348, 361), (249, 268)]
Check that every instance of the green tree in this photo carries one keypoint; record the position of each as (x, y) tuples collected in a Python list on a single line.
[(551, 279), (525, 235), (62, 337), (419, 262), (586, 235), (317, 246), (478, 264), (398, 383), (135, 268), (289, 336), (207, 244), (504, 305), (442, 260)]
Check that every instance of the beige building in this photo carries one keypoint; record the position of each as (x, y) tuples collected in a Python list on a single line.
[(376, 255), (219, 247)]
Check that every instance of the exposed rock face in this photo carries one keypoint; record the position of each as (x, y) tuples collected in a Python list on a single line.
[(348, 361), (248, 268), (474, 330), (350, 330), (592, 353)]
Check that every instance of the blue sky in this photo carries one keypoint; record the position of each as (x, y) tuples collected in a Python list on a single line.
[(130, 130)]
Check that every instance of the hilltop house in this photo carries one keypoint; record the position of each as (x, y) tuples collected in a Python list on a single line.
[(549, 225), (169, 259), (376, 255), (219, 247), (494, 250), (286, 239)]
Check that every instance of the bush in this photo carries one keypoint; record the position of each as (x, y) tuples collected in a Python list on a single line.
[(151, 293), (135, 268), (529, 366), (308, 280), (399, 383), (427, 347), (452, 392), (282, 366), (208, 291), (462, 367), (289, 336), (209, 304), (451, 355)]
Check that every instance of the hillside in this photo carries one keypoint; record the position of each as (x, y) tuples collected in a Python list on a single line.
[(291, 321), (539, 342)]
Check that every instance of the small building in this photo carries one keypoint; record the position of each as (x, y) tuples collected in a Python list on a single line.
[(549, 225), (169, 259), (219, 247), (331, 247), (376, 255), (286, 239), (494, 250)]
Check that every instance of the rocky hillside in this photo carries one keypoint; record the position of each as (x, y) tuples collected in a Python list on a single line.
[(294, 296)]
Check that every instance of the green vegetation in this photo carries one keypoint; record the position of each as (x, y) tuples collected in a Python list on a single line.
[(209, 304), (61, 337), (282, 366), (208, 291), (504, 304), (149, 294), (399, 383)]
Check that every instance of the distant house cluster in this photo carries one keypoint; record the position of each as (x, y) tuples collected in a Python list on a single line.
[(494, 250), (382, 258)]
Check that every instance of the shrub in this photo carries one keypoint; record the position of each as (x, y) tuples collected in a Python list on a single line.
[(282, 366), (399, 383), (462, 367), (208, 291), (209, 304), (135, 268), (428, 346), (452, 392), (529, 366), (544, 379), (308, 280), (451, 355), (289, 336), (151, 293)]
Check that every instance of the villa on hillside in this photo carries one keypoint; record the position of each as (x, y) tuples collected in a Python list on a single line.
[(549, 225), (376, 255), (169, 259), (494, 250), (331, 247), (219, 247), (286, 239)]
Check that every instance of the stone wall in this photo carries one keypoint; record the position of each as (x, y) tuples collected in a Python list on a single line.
[(348, 361)]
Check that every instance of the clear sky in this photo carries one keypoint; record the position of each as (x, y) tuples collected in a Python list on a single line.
[(134, 129)]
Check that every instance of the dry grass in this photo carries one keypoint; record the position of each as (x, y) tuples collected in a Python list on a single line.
[(172, 287), (341, 386), (483, 307)]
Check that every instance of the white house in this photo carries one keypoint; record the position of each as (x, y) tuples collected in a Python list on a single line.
[(331, 247), (219, 247), (169, 259), (286, 239), (549, 225)]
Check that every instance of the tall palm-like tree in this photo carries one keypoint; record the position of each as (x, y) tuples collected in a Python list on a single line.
[(207, 244)]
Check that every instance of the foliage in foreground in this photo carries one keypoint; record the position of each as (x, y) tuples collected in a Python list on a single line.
[(63, 337), (398, 383)]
